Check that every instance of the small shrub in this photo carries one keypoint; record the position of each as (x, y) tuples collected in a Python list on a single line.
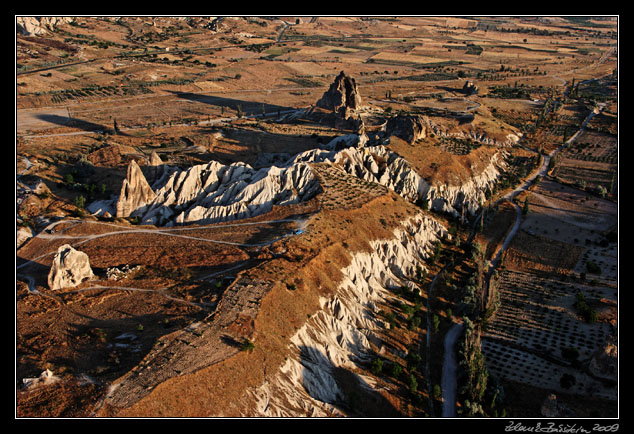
[(593, 268), (377, 366), (436, 322), (397, 370), (436, 392), (247, 345), (80, 202), (412, 383), (567, 381)]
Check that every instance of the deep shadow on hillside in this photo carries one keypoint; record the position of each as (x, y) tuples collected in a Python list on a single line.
[(84, 125), (248, 108), (359, 399)]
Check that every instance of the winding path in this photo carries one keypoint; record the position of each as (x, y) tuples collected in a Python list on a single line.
[(164, 232)]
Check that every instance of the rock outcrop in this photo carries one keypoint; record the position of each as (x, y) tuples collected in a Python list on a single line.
[(214, 192), (604, 363), (408, 127), (41, 189), (156, 167), (135, 191), (70, 268), (473, 134), (469, 88), (23, 234), (30, 26), (47, 377), (342, 97), (155, 160)]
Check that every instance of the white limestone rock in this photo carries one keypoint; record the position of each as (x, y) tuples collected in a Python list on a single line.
[(30, 26), (70, 268), (23, 234)]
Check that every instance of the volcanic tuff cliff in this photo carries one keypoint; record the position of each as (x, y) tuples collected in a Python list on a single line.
[(135, 191), (408, 127), (339, 335), (215, 192), (380, 165)]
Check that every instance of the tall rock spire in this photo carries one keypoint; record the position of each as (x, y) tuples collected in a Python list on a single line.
[(135, 191), (342, 97)]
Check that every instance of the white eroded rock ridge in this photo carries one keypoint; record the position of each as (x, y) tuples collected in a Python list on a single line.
[(215, 192), (339, 335), (380, 165)]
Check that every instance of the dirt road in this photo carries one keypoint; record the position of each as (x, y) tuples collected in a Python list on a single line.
[(449, 368)]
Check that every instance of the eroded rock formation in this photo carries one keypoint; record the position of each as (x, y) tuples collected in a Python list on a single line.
[(469, 88), (342, 97), (214, 192), (30, 26), (380, 165), (70, 268), (135, 191), (408, 127), (340, 335)]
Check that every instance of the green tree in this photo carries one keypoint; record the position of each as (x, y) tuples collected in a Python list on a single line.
[(413, 359), (377, 366), (473, 363), (247, 345), (437, 392), (80, 201), (412, 383), (397, 370)]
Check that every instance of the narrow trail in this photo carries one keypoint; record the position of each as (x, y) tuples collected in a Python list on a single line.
[(163, 232), (32, 288)]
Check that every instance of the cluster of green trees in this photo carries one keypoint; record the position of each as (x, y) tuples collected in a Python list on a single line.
[(481, 393), (398, 372), (589, 315)]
